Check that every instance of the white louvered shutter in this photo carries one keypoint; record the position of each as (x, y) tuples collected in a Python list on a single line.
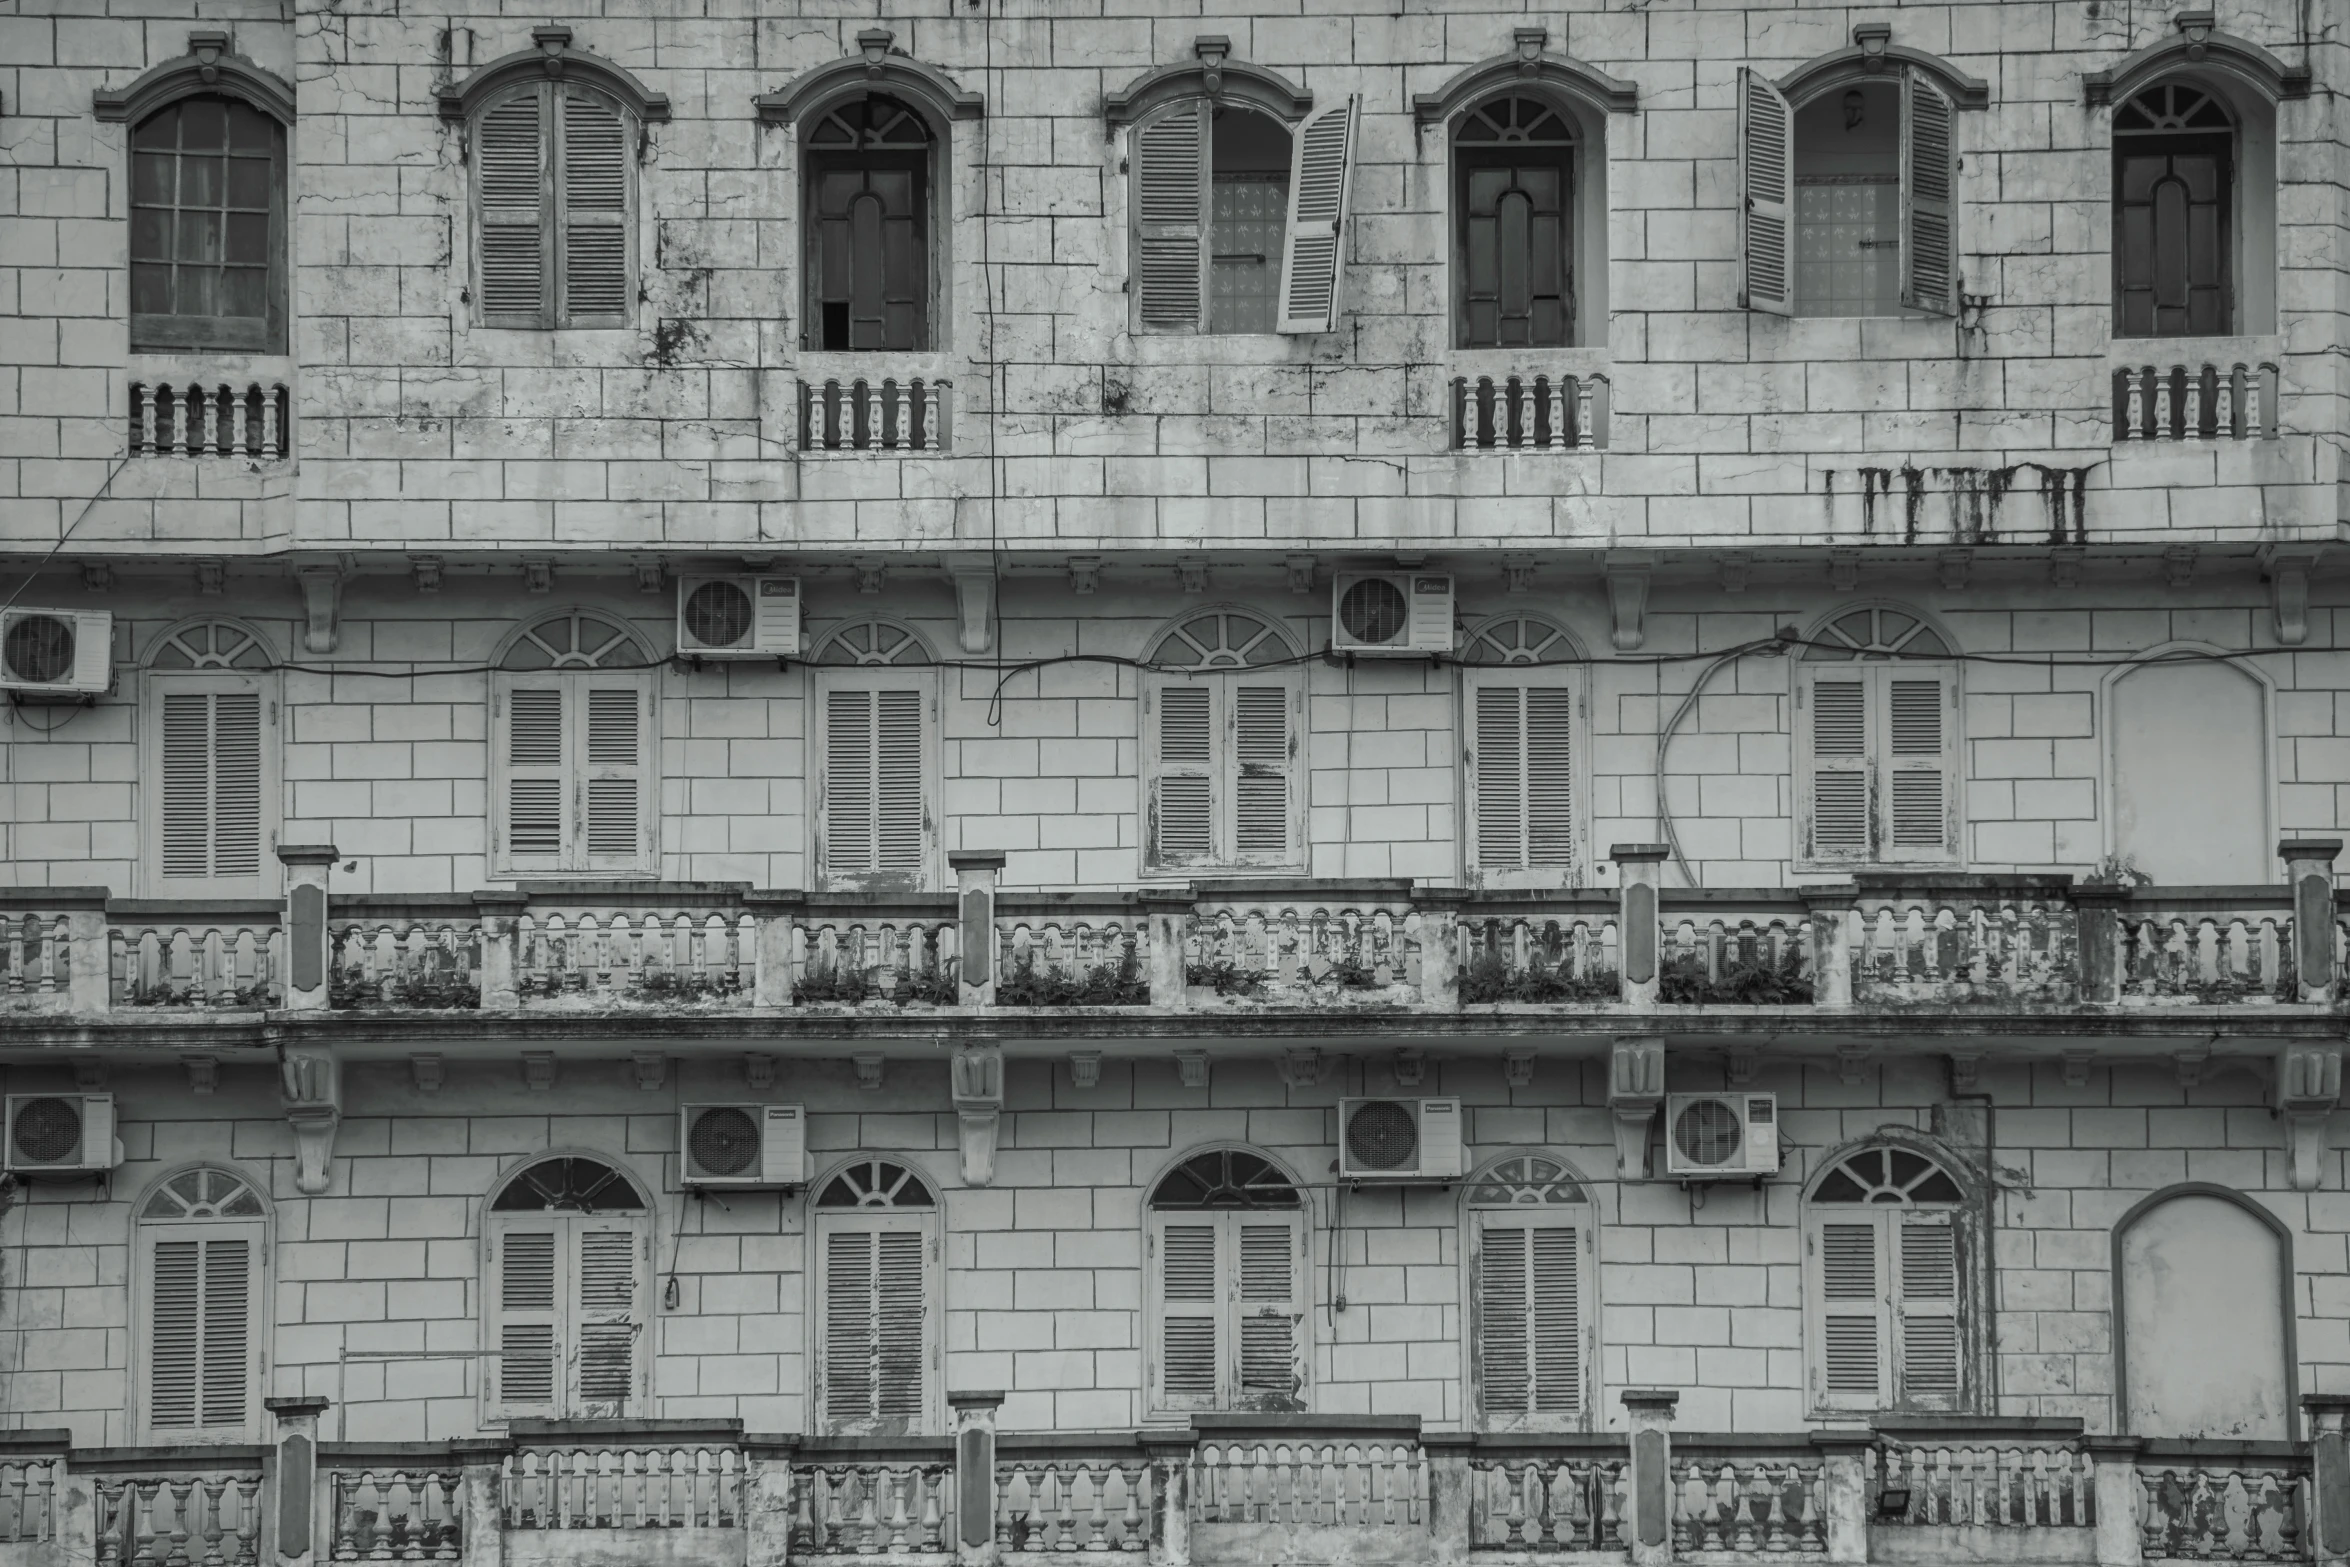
[(527, 1345), (202, 1348), (1263, 765), (1321, 177), (1170, 193), (512, 208), (1766, 182), (1504, 1347), (1529, 1318), (534, 736), (848, 781), (901, 812), (1852, 1341), (212, 786), (1521, 766), (608, 1316), (875, 1371), (1270, 1308), (1927, 1298), (900, 1334), (593, 212), (1183, 809), (848, 1328), (1920, 763), (1191, 1295), (876, 808), (1929, 236), (1838, 732), (616, 786)]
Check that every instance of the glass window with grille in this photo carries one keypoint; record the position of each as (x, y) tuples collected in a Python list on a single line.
[(1848, 202), (207, 242), (868, 268), (1513, 191), (1886, 1267)]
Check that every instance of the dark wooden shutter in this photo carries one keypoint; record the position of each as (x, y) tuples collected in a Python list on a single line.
[(594, 212), (1261, 766), (1931, 1362), (1929, 179), (1171, 218), (876, 791), (1557, 1325), (615, 778), (1851, 1313), (1191, 1314), (202, 1294), (1497, 757), (1766, 183), (512, 210), (2172, 236), (1270, 1313), (529, 1318), (1321, 174), (211, 785), (1183, 812), (606, 1320), (1505, 1380), (175, 1336), (1918, 765), (1840, 813), (228, 1326), (538, 781), (1529, 1319)]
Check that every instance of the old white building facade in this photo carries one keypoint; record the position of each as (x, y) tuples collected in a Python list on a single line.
[(736, 722)]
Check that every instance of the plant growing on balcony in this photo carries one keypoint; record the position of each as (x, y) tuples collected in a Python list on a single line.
[(1114, 984), (669, 985), (1490, 976), (847, 985), (1226, 978), (433, 992), (163, 994), (1762, 981)]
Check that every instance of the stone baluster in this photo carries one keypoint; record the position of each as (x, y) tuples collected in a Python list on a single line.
[(2224, 417), (2133, 403), (1586, 431), (2164, 383), (2255, 412), (2193, 425)]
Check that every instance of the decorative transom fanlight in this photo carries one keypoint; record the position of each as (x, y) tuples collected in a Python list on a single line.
[(1888, 1175), (873, 642), (1517, 121), (203, 1194), (215, 644), (1876, 633), (1527, 1181), (871, 123), (578, 640), (1225, 639), (1519, 639), (876, 1183), (2172, 106), (569, 1185), (1225, 1178)]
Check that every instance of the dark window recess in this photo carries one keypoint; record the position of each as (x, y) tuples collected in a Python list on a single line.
[(208, 228), (869, 269), (2172, 172), (1513, 166)]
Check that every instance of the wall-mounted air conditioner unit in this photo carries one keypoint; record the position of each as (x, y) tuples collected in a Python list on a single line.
[(62, 652), (1391, 612), (743, 1145), (1399, 1140), (1725, 1135), (738, 617), (60, 1134)]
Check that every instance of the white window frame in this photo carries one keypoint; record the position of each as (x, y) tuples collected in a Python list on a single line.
[(1878, 674), (1886, 1221), (873, 677), (1231, 1308), (261, 1328), (1577, 1218), (155, 685), (1573, 679), (925, 1222), (567, 1227), (1224, 772), (574, 684)]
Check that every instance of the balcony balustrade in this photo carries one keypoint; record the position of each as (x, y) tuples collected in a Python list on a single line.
[(874, 414), (2206, 400), (1529, 412), (253, 420)]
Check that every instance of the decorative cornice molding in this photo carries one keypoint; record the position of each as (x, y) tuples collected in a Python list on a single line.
[(2197, 43), (1529, 64), (551, 56), (207, 67), (1872, 53), (1212, 74), (878, 66)]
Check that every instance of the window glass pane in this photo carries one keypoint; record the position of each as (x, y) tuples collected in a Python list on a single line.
[(199, 236), (150, 234), (202, 182), (248, 183), (150, 289), (151, 178), (244, 292), (248, 237), (204, 122), (248, 128), (161, 129)]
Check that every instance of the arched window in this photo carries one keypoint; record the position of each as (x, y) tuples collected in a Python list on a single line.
[(1229, 1286), (203, 1307), (876, 742), (210, 812), (574, 781), (1889, 1254), (569, 1243), (870, 276), (208, 228), (1514, 164), (1878, 742), (1524, 689), (878, 1305), (1223, 707), (2173, 211), (1529, 1262)]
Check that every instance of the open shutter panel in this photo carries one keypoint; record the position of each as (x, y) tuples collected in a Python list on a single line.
[(1183, 823), (899, 1383), (1766, 178), (848, 1328), (1261, 765), (594, 212), (608, 1320), (538, 777), (1840, 766), (174, 1334), (529, 1319), (1853, 1333), (1929, 240), (1557, 1320), (1505, 1382), (848, 781), (1269, 1312), (1191, 1311), (510, 155), (1918, 765), (211, 784), (1170, 218), (902, 812), (1928, 1295), (1321, 172)]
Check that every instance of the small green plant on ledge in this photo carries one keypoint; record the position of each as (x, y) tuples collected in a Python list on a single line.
[(439, 992), (1491, 977), (255, 996), (1116, 984), (1226, 978), (846, 985), (668, 985), (1762, 983)]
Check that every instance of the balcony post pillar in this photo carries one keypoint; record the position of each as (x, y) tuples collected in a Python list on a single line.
[(89, 955), (767, 1500), (305, 978), (1649, 1526), (501, 915), (975, 882), (1834, 914), (2327, 1529), (75, 1508), (1441, 957), (774, 914), (2309, 871), (2114, 1476), (1637, 869), (1166, 911), (1844, 1491), (483, 1537), (291, 1515), (2099, 910), (1169, 1456), (1451, 1494), (974, 1521)]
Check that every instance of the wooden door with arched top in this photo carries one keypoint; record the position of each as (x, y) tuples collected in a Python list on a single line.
[(2205, 1329)]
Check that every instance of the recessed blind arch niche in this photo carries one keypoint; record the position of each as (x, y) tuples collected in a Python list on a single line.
[(1529, 1239), (210, 727), (878, 1301), (202, 1308), (574, 740), (569, 1243), (1229, 1286), (1888, 1258)]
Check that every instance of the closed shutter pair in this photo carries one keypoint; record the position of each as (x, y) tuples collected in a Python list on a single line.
[(1173, 199), (1884, 1288), (1223, 771), (212, 784), (1881, 750), (204, 1294), (576, 765), (874, 1372), (1521, 779), (1766, 183), (1529, 1316), (552, 175), (1231, 1297), (568, 1316), (876, 816)]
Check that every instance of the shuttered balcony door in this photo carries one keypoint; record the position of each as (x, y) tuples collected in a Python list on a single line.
[(877, 1301), (204, 1316), (212, 785), (1529, 1288), (568, 1316), (1229, 1292)]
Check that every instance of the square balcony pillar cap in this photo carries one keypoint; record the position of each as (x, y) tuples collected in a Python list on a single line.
[(1837, 1438), (502, 900), (295, 1406), (2293, 849), (989, 1398), (1636, 852), (1175, 897), (976, 862), (307, 853), (2325, 1403), (1662, 1399)]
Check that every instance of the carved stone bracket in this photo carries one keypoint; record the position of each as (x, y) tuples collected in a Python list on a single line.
[(2288, 587), (651, 1069), (1411, 1067), (1738, 1069), (1517, 1068), (2309, 1089), (974, 603), (1085, 1069), (1737, 570), (758, 1072), (1635, 1088), (427, 570), (1085, 573), (203, 1074), (1627, 596), (538, 1070), (976, 1076), (322, 603), (1966, 1071), (1852, 1062), (869, 1065), (1191, 1068), (429, 1072), (310, 1087), (2076, 1067), (1301, 573), (1304, 1068), (1953, 567)]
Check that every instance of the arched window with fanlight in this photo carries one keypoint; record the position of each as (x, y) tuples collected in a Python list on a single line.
[(202, 1308), (1877, 741), (1229, 1286), (877, 762), (2173, 214), (573, 750), (1223, 701), (1523, 685), (569, 1242), (870, 273), (209, 728), (877, 1306), (1528, 1241), (1513, 204), (1889, 1253)]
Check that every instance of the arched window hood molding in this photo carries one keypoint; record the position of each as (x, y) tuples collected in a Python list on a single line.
[(877, 67), (2198, 43), (207, 67), (1529, 64), (1213, 74), (553, 56), (1872, 52)]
